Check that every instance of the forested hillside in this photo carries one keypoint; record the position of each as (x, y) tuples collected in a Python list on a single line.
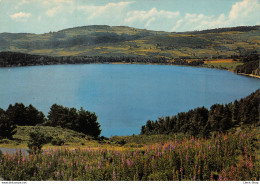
[(132, 42), (202, 121), (70, 118), (10, 59)]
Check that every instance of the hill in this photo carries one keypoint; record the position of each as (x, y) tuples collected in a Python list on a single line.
[(102, 40)]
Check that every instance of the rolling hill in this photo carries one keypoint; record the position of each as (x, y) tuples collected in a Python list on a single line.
[(102, 40)]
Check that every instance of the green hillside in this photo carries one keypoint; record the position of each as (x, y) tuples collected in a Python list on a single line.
[(126, 41)]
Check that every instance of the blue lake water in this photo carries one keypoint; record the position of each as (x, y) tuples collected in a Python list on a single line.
[(124, 97)]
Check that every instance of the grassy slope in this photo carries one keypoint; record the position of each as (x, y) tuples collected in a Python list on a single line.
[(70, 137), (227, 64), (74, 139), (148, 43)]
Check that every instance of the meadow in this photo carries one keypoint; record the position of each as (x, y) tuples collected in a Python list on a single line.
[(226, 64), (229, 156)]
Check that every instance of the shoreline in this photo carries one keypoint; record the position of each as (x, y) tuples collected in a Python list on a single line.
[(248, 75), (122, 63)]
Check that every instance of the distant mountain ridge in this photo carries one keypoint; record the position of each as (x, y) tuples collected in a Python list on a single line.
[(103, 40)]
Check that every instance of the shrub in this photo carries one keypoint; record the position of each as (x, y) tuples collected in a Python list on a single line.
[(122, 142), (37, 140), (4, 141), (57, 141)]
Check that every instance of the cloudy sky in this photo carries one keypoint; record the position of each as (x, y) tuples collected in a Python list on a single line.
[(41, 16)]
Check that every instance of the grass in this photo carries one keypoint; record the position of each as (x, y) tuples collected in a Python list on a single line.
[(230, 156), (226, 64), (70, 137), (75, 139)]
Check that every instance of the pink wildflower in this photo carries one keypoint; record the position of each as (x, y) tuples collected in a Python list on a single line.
[(129, 162), (181, 170), (114, 175), (187, 157)]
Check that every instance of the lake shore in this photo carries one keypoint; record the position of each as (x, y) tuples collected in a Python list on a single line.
[(248, 75), (145, 63)]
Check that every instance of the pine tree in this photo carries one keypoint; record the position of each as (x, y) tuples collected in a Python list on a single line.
[(7, 127)]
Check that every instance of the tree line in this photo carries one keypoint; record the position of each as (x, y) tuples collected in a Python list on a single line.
[(71, 118), (251, 63), (201, 121), (227, 29), (11, 59)]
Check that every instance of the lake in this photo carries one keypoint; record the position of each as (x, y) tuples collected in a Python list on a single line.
[(123, 97)]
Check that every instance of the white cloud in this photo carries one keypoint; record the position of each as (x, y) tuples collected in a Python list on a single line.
[(53, 2), (152, 19), (150, 15), (109, 9), (245, 12), (21, 16), (53, 11)]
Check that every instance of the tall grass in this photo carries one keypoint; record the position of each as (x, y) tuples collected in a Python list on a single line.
[(223, 157)]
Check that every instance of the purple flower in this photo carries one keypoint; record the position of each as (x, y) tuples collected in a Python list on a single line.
[(158, 154), (114, 175), (187, 157), (123, 161), (251, 165), (128, 162), (181, 169), (220, 177)]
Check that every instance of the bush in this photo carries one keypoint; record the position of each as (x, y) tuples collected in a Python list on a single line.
[(37, 140), (57, 141), (4, 141), (122, 142)]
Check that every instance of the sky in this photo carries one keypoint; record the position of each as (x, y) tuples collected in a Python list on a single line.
[(42, 16)]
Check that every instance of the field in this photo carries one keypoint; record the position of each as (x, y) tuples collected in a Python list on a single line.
[(230, 156), (227, 64)]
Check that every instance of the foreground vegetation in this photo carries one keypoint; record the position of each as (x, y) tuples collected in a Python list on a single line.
[(230, 156), (228, 152)]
